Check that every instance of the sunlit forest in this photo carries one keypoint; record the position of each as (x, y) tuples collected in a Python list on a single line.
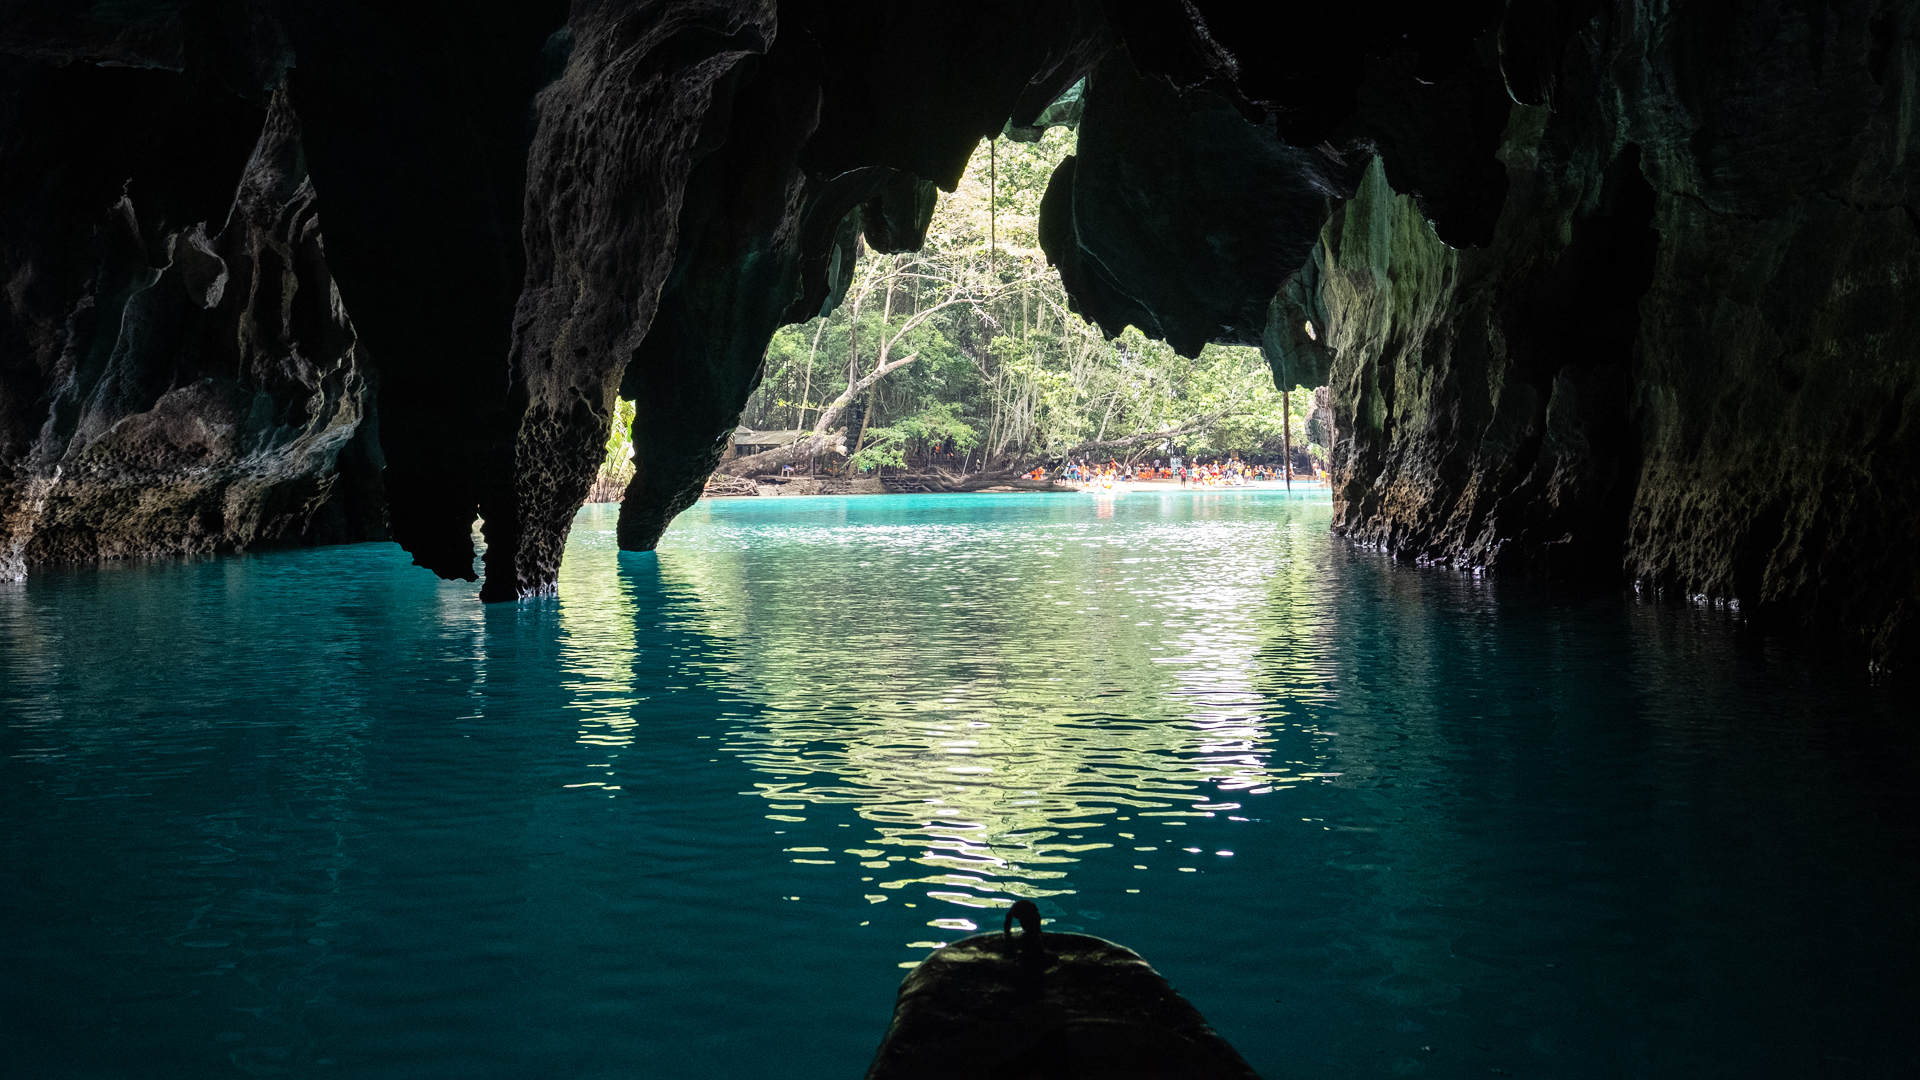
[(999, 372)]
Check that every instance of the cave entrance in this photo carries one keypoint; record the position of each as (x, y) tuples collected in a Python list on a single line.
[(965, 364)]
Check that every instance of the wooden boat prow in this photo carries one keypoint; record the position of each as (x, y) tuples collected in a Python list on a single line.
[(1046, 1005)]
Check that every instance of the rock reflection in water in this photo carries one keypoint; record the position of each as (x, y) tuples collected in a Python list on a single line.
[(310, 811)]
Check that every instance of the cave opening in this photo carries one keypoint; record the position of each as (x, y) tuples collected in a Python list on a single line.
[(1006, 382), (1550, 718)]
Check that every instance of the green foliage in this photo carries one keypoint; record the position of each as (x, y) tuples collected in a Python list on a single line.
[(1007, 371), (620, 438), (617, 468), (939, 424)]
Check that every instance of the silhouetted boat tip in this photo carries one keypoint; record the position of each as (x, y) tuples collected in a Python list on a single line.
[(1038, 1006)]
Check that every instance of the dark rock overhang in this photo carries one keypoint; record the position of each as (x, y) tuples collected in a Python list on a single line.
[(528, 206), (275, 265)]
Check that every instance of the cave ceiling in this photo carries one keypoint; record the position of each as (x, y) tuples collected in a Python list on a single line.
[(1607, 292)]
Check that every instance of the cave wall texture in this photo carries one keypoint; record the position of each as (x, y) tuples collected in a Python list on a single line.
[(1686, 355), (1604, 290), (177, 372)]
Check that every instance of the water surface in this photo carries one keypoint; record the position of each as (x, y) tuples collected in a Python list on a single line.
[(317, 814)]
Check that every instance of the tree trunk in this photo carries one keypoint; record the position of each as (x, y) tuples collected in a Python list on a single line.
[(800, 414), (824, 434), (993, 191), (886, 323), (1286, 435)]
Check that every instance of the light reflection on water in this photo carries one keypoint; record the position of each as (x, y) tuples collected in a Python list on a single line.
[(316, 814), (995, 701), (1006, 736)]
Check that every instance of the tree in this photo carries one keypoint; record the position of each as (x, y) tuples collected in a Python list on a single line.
[(617, 469), (937, 425), (888, 276), (996, 357)]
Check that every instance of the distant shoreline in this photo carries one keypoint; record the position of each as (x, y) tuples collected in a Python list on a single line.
[(799, 488)]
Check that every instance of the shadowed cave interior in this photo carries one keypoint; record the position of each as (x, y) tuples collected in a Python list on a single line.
[(1611, 296), (1608, 293)]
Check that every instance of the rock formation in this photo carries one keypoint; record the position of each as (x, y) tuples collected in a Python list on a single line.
[(179, 373), (1683, 356), (1610, 294), (1603, 290), (417, 120), (836, 135)]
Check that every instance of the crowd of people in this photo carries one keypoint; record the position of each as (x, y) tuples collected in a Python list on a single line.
[(1226, 472)]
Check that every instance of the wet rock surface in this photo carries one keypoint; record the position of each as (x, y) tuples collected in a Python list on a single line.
[(1605, 293), (618, 136), (179, 373), (418, 121), (1683, 358), (1064, 1005), (1197, 255), (735, 275)]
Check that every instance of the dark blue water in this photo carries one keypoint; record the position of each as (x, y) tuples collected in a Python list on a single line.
[(317, 814)]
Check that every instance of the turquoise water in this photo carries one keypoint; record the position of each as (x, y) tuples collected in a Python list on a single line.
[(317, 814)]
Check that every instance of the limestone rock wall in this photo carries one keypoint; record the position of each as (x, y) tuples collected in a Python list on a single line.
[(177, 372), (417, 120), (1686, 357), (1611, 290), (1778, 388), (734, 277), (618, 135)]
